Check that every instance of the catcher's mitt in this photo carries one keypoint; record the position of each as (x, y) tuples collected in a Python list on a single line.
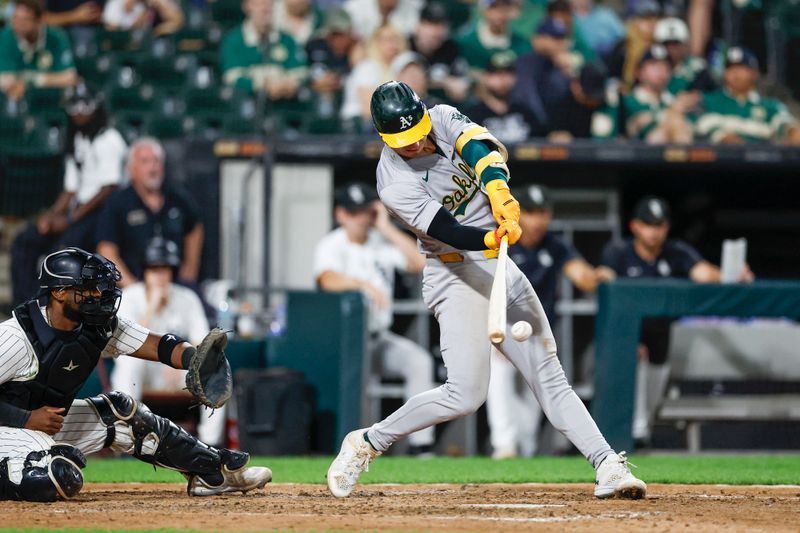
[(209, 374)]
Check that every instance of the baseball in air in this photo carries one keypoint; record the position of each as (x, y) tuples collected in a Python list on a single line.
[(521, 331)]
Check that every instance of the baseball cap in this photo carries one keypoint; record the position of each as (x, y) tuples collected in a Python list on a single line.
[(652, 210), (533, 197), (434, 12), (502, 61), (643, 8), (337, 20), (80, 99), (355, 196), (553, 28), (655, 53), (671, 29), (593, 80), (739, 55), (162, 252), (405, 59)]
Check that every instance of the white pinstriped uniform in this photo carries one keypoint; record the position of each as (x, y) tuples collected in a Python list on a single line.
[(82, 426)]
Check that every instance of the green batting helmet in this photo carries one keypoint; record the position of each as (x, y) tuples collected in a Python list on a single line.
[(399, 115)]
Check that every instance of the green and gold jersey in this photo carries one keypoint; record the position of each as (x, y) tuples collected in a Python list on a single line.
[(692, 73), (753, 118), (644, 111), (247, 62), (50, 53), (478, 46)]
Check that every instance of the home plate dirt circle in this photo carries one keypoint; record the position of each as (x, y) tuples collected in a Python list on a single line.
[(495, 507)]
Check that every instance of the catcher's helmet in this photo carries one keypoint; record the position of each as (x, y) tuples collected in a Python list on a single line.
[(162, 252), (84, 271), (399, 115)]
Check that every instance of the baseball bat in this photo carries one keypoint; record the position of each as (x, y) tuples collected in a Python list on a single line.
[(497, 298)]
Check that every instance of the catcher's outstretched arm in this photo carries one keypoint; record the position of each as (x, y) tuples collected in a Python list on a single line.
[(169, 349)]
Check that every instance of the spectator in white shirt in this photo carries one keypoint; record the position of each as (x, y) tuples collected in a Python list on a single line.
[(163, 16), (362, 255), (93, 170), (158, 303), (369, 15)]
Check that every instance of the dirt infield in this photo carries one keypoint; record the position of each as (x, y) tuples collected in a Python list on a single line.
[(686, 508)]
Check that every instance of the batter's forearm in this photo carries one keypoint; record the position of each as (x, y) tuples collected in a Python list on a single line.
[(479, 155), (13, 417), (445, 228)]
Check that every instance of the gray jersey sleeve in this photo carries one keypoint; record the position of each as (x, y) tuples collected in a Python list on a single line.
[(407, 199)]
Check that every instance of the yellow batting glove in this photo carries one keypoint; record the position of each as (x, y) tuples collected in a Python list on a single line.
[(504, 206), (510, 228), (491, 240)]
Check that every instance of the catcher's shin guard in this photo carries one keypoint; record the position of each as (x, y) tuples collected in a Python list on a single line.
[(46, 476), (161, 442)]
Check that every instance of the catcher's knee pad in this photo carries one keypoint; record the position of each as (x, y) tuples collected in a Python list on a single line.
[(160, 441), (46, 476)]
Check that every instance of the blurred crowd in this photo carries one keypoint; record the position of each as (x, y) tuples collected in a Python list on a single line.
[(661, 72)]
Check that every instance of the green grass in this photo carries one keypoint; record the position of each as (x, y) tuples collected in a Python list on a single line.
[(705, 469)]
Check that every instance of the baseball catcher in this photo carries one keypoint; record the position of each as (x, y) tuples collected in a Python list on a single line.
[(47, 351)]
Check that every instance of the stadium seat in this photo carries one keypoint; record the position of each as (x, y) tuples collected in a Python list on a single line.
[(167, 121), (242, 119), (96, 70), (43, 100), (126, 93), (209, 100), (31, 181), (168, 73), (227, 13)]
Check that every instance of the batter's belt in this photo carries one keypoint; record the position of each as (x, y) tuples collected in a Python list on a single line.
[(460, 257)]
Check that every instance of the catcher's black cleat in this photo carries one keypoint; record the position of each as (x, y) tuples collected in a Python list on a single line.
[(236, 477)]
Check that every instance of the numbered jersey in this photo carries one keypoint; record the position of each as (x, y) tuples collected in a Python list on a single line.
[(415, 189)]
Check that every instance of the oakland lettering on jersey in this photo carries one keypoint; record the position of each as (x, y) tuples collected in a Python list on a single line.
[(467, 189)]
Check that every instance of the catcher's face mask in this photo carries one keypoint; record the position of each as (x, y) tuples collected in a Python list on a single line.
[(97, 299)]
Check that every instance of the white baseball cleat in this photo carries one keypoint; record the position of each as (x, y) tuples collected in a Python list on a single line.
[(241, 480), (614, 479), (354, 457)]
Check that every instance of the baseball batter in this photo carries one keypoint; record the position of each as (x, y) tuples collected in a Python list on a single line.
[(446, 179), (47, 353)]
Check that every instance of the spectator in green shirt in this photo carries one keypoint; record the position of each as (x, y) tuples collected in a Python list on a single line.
[(33, 54), (689, 73), (492, 34), (650, 112), (258, 57), (737, 114)]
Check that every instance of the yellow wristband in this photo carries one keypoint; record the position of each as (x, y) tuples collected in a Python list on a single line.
[(488, 159), (490, 240)]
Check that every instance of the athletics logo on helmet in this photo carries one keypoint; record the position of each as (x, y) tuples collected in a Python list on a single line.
[(399, 115)]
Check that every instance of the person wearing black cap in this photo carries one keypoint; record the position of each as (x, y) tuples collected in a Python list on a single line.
[(362, 254), (448, 71), (93, 170), (653, 114), (544, 74), (650, 254), (737, 114), (543, 257), (510, 121), (158, 303)]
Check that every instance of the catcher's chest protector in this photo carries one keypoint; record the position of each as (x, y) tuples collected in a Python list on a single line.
[(66, 359)]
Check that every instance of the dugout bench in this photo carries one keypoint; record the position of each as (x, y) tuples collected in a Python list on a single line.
[(621, 307), (737, 354)]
